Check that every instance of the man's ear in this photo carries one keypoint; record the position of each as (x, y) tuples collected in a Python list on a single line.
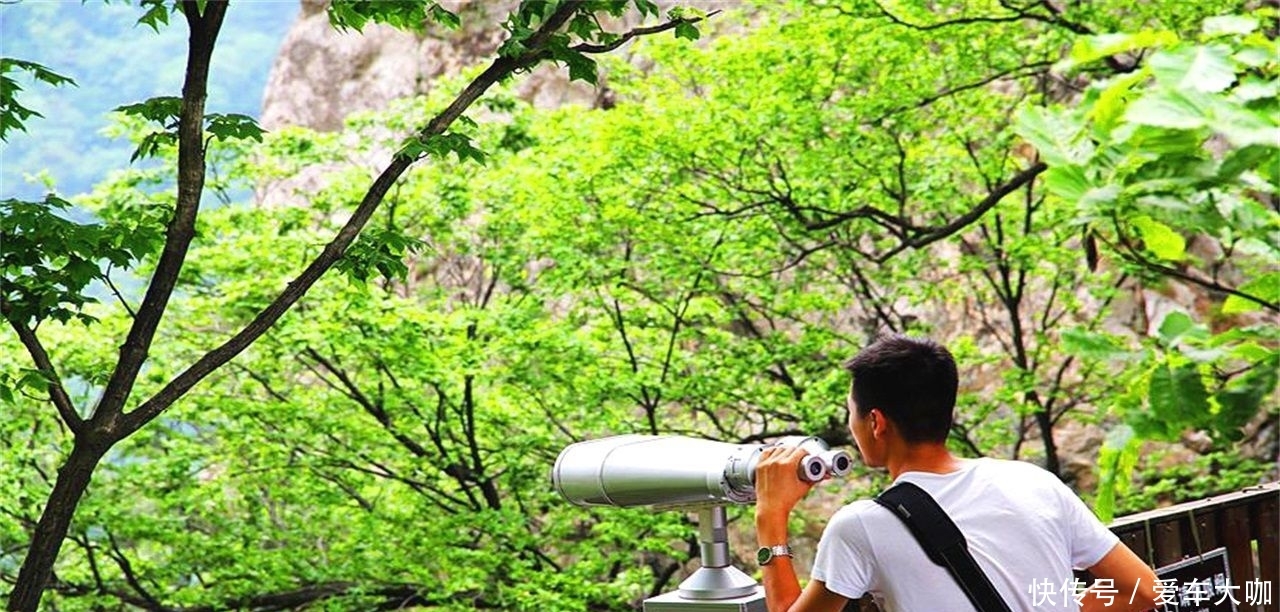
[(879, 424)]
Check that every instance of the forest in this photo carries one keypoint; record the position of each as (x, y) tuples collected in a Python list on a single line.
[(331, 370)]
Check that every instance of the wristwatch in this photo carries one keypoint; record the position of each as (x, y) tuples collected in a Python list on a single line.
[(765, 555)]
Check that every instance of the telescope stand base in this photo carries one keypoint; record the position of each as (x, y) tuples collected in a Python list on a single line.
[(673, 602)]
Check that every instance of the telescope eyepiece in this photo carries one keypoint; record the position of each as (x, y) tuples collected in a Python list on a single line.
[(838, 462), (812, 468)]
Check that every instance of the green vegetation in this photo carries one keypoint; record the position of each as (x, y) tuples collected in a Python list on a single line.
[(1080, 202)]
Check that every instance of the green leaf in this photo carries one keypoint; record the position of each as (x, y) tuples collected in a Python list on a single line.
[(1160, 239), (1090, 49), (234, 126), (581, 67), (686, 12), (1247, 158), (1167, 108), (1175, 324), (1177, 397), (1256, 56), (1200, 68), (36, 380), (1256, 89), (1243, 127), (410, 16), (647, 8), (380, 250), (157, 14), (1241, 398), (1116, 461), (1054, 135), (152, 143), (1112, 99), (47, 262), (38, 71), (1265, 287), (583, 26), (164, 110), (1092, 345), (13, 115), (441, 145), (687, 31), (1067, 181), (1162, 140), (1098, 199), (444, 17), (1229, 24)]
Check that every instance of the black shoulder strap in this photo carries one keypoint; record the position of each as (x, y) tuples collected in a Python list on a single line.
[(943, 542)]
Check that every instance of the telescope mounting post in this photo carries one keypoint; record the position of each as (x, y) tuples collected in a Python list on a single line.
[(717, 585), (682, 473)]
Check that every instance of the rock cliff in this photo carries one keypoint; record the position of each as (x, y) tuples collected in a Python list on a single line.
[(321, 74)]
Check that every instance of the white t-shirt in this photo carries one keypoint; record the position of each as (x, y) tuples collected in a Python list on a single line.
[(1024, 527)]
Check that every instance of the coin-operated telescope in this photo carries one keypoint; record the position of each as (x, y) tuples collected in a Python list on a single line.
[(675, 472)]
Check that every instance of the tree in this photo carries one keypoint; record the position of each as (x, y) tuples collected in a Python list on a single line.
[(540, 31), (696, 258), (1173, 170)]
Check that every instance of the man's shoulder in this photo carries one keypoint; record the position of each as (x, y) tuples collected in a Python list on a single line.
[(857, 508), (855, 521), (858, 512), (1002, 479), (976, 475), (1001, 468)]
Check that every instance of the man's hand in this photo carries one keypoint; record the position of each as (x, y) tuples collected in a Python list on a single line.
[(778, 489)]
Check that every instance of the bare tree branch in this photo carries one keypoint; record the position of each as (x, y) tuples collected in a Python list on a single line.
[(1023, 71), (119, 296), (57, 393), (943, 24), (130, 577), (963, 221), (637, 32), (1129, 250)]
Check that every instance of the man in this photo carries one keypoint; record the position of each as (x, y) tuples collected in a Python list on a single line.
[(1025, 528)]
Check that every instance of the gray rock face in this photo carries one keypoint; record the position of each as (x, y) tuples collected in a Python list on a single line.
[(321, 74)]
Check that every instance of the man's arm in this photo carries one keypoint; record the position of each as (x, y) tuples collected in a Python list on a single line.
[(778, 488), (1129, 575), (781, 587)]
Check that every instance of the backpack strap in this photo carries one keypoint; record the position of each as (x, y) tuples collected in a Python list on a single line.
[(942, 542)]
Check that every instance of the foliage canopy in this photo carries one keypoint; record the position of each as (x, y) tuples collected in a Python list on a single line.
[(1094, 232)]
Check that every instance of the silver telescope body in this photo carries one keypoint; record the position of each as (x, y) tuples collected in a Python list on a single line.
[(639, 470)]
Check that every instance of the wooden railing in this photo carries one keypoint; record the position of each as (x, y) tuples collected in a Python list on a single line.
[(1246, 523)]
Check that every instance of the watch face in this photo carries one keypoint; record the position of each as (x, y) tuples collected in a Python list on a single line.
[(764, 555)]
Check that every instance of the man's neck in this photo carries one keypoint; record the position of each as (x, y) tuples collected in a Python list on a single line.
[(931, 458)]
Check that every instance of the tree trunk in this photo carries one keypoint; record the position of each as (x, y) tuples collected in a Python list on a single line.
[(73, 480), (1051, 462)]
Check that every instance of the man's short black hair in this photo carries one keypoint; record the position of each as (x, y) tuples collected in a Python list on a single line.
[(912, 381)]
